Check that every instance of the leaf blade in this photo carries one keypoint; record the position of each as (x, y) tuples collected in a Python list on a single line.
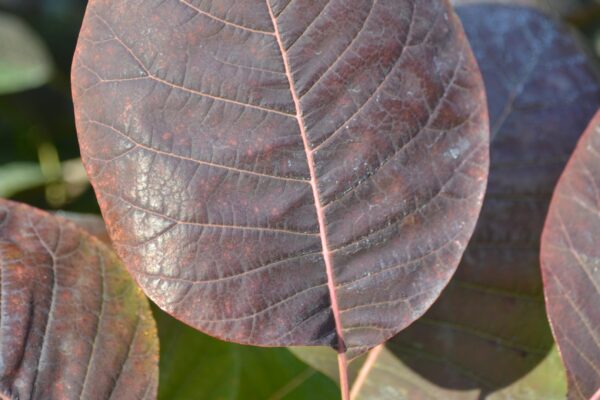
[(494, 305), (223, 129), (195, 366), (569, 265), (487, 335), (73, 324)]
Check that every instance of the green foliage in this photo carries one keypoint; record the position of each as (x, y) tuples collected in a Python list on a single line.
[(194, 366), (24, 61), (18, 176)]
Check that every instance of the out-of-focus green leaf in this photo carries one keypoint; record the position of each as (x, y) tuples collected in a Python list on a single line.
[(383, 376), (194, 366), (24, 61), (67, 180), (18, 176)]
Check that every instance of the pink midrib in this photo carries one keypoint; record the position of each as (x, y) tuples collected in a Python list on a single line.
[(313, 183)]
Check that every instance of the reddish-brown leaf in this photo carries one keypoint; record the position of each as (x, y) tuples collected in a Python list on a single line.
[(73, 325), (284, 172), (489, 328), (571, 265)]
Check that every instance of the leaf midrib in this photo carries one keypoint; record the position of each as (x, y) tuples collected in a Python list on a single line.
[(313, 183)]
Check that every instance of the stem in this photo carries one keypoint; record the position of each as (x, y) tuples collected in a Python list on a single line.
[(365, 370), (343, 367)]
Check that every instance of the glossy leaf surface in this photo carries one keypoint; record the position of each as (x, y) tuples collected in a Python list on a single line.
[(72, 323), (279, 173), (195, 366), (487, 335), (571, 265)]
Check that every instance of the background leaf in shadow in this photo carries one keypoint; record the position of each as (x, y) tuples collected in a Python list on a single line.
[(558, 7), (489, 328), (195, 366), (386, 377)]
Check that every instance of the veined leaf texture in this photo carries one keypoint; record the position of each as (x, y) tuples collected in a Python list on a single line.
[(284, 172), (571, 265), (487, 336), (73, 325)]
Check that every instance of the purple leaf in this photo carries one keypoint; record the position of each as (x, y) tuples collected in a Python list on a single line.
[(73, 325), (571, 265), (542, 90), (284, 173)]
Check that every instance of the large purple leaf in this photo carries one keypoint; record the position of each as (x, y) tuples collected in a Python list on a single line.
[(542, 90), (571, 265), (487, 335), (280, 173), (73, 325)]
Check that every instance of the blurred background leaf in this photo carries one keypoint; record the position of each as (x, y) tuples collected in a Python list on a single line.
[(63, 181), (24, 60), (194, 366), (18, 176), (39, 154), (388, 378)]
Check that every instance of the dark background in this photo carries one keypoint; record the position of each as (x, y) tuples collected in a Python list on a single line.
[(37, 125)]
